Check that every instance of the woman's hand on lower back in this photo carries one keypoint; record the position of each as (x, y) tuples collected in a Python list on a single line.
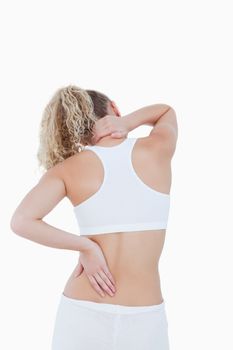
[(93, 262), (109, 125)]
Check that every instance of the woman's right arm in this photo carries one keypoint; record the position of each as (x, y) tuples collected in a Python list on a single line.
[(163, 119), (161, 116), (148, 115)]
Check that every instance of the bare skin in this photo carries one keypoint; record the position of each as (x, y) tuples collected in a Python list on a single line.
[(128, 261), (135, 270)]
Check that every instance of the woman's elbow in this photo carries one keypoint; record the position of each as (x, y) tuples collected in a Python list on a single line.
[(17, 224)]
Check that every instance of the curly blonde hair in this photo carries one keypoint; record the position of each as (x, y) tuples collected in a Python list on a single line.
[(67, 122)]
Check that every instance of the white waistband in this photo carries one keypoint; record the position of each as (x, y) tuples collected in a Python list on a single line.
[(113, 308)]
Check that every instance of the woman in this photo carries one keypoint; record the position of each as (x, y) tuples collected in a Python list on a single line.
[(120, 191)]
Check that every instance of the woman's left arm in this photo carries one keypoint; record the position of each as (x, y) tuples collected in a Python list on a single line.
[(27, 220)]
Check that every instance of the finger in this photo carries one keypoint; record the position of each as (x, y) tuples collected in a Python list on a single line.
[(96, 286), (105, 127), (106, 280), (109, 275), (78, 270), (98, 127), (103, 285), (104, 131)]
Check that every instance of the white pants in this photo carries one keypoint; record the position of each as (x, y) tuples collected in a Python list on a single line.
[(87, 325)]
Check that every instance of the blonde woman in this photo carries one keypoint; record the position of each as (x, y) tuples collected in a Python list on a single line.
[(119, 188)]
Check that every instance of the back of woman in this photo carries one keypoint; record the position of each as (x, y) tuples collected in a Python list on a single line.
[(135, 170), (119, 188)]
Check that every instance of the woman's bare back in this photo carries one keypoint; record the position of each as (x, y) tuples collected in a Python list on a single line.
[(132, 257)]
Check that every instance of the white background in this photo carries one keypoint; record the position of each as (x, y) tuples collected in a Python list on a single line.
[(138, 53)]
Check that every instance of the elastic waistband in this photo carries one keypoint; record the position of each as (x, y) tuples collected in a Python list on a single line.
[(113, 308)]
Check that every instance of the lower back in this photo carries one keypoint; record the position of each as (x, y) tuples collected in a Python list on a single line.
[(132, 258)]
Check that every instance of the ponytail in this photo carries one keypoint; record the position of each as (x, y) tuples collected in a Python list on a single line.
[(66, 125)]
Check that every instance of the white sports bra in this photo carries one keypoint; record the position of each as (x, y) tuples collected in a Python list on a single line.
[(123, 202)]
